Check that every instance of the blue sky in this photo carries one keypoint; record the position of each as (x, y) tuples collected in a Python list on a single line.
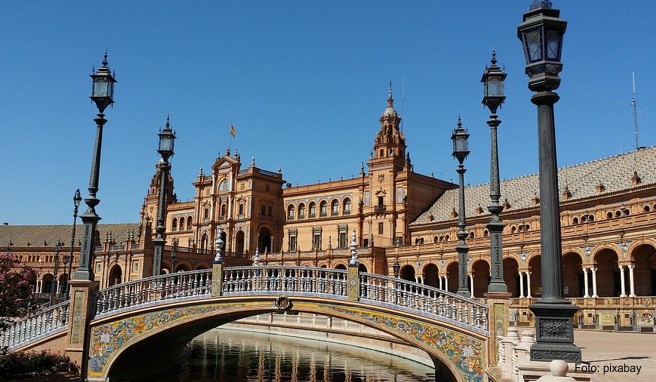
[(304, 83)]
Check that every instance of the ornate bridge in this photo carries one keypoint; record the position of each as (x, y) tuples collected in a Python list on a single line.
[(143, 324)]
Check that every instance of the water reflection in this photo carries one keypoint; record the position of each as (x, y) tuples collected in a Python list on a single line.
[(237, 356)]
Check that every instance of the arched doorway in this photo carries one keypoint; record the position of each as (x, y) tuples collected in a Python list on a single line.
[(572, 275), (203, 242), (431, 275), (408, 273), (535, 269), (264, 240), (644, 273), (115, 275), (608, 274), (182, 268), (239, 242), (62, 285), (481, 272), (511, 275), (340, 266), (452, 275), (47, 283), (362, 268)]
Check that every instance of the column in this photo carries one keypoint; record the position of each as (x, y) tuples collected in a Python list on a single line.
[(528, 284), (446, 282), (623, 291), (471, 282), (585, 283), (594, 282), (521, 284), (440, 284), (631, 282)]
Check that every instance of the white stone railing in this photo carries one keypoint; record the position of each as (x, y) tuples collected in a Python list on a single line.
[(260, 280), (447, 306), (133, 294), (35, 326), (291, 280)]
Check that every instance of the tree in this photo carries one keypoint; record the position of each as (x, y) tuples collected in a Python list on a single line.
[(15, 288)]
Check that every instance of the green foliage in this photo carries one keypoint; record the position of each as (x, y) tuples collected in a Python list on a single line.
[(14, 365), (15, 288)]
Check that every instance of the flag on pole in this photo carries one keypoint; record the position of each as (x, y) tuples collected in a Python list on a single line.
[(232, 131)]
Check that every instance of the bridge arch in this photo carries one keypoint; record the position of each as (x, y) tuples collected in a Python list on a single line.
[(136, 340), (133, 321)]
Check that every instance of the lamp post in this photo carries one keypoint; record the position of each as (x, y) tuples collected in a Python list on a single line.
[(76, 203), (541, 35), (493, 97), (58, 248), (174, 254), (165, 150), (65, 260), (102, 93), (460, 152)]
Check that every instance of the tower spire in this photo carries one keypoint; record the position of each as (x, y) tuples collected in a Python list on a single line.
[(390, 100)]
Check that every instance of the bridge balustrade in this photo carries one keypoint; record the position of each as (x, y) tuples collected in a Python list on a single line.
[(35, 326), (386, 290), (284, 279), (375, 289), (179, 285)]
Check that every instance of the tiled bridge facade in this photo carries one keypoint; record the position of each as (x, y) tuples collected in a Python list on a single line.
[(143, 325)]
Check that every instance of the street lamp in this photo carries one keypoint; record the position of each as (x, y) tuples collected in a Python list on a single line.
[(165, 150), (65, 260), (460, 152), (174, 254), (541, 34), (76, 203), (102, 93), (58, 248), (493, 97)]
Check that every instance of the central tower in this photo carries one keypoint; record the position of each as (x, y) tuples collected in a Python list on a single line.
[(389, 166)]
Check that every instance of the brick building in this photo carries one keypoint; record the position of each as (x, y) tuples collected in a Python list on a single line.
[(608, 216)]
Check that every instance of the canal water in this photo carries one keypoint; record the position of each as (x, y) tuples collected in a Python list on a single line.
[(239, 356)]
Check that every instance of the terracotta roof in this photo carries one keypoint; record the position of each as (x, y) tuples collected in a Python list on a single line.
[(48, 235), (582, 181)]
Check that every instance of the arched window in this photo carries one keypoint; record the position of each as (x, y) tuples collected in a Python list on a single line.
[(334, 207), (347, 206), (223, 186), (182, 224), (224, 209), (290, 212), (323, 208), (174, 224), (189, 222), (301, 211), (313, 210)]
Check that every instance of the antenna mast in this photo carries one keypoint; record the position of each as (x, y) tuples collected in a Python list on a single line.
[(635, 113)]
